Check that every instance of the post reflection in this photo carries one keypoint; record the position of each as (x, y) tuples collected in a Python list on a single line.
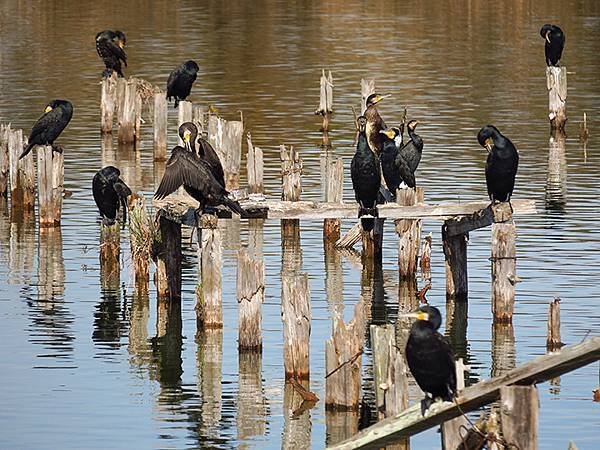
[(504, 357), (139, 345), (210, 368), (556, 182), (252, 405), (297, 428)]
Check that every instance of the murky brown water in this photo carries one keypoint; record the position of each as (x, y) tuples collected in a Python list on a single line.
[(83, 363)]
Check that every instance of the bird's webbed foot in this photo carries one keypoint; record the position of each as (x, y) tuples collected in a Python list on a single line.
[(57, 148), (425, 404)]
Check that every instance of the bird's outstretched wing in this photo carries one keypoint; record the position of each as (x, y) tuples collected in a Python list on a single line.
[(183, 169), (208, 154)]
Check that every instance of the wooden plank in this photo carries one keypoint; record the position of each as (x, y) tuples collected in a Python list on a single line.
[(411, 421)]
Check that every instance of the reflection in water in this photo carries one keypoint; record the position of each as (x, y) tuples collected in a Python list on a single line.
[(210, 367), (334, 282), (297, 426), (340, 426), (166, 347), (139, 346), (21, 250), (252, 405), (504, 357), (556, 183)]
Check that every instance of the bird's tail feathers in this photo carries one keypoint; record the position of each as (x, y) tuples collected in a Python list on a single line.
[(26, 151), (233, 205)]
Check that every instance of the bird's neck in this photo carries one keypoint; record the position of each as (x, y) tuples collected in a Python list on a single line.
[(415, 138)]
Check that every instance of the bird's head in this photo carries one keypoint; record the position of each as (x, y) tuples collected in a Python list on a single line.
[(545, 32), (188, 133), (57, 104), (373, 99), (191, 66), (412, 125), (427, 313), (486, 136), (121, 39), (361, 123)]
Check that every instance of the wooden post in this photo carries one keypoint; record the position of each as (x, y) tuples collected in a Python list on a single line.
[(160, 126), (455, 256), (454, 430), (51, 177), (110, 252), (108, 101), (128, 113), (332, 187), (296, 317), (199, 113), (251, 295), (291, 173), (226, 137), (120, 98), (168, 259), (22, 175), (372, 242), (553, 341), (254, 167), (425, 260), (519, 415), (556, 82), (142, 233), (504, 275), (556, 181), (326, 99), (209, 311), (409, 232), (184, 114), (4, 160)]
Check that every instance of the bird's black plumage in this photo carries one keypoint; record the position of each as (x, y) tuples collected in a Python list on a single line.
[(501, 165), (46, 130), (110, 47), (189, 135), (412, 151), (110, 192), (185, 168), (395, 169), (555, 43), (365, 171), (374, 123), (179, 84), (430, 356)]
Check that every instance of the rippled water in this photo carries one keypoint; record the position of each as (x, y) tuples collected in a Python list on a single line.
[(84, 362)]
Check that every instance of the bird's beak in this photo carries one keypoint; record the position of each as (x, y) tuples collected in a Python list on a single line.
[(187, 136), (418, 122), (48, 109), (547, 36), (388, 133), (381, 97), (489, 143), (121, 44), (419, 315)]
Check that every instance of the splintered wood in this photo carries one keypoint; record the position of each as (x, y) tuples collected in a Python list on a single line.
[(226, 137), (409, 232), (326, 99), (556, 82), (250, 294), (296, 317), (291, 173), (553, 341), (51, 177), (254, 167), (332, 185), (22, 175)]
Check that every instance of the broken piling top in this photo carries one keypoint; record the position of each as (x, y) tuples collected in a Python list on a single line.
[(556, 82), (226, 137), (326, 95), (291, 173), (254, 167)]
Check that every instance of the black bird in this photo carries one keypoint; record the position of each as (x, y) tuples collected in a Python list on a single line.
[(393, 165), (430, 357), (365, 171), (46, 130), (110, 45), (555, 42), (374, 123), (188, 132), (179, 84), (501, 165), (110, 193), (185, 168), (413, 149)]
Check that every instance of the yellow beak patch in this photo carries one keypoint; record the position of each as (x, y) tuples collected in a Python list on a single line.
[(48, 109)]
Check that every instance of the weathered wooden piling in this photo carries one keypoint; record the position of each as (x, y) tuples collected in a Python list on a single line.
[(251, 295), (455, 257), (326, 99), (184, 114), (556, 180), (209, 309), (425, 259), (519, 415), (200, 119), (291, 173), (409, 232), (254, 167), (160, 126), (142, 232), (553, 341), (108, 103), (51, 178), (110, 252), (167, 254), (4, 160), (296, 317), (504, 274), (332, 187), (556, 82), (226, 137), (22, 175), (453, 431), (343, 362), (129, 113), (367, 87)]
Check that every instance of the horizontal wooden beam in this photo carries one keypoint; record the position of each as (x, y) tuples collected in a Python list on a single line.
[(179, 205), (500, 212), (411, 422)]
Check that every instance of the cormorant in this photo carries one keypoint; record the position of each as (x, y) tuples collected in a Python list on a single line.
[(365, 171), (46, 130), (395, 169), (185, 168), (374, 123), (180, 81), (501, 165), (110, 45), (413, 149), (555, 42), (110, 193), (188, 132), (430, 357)]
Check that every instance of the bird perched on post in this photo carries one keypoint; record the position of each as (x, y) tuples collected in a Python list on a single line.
[(110, 47), (46, 130), (412, 151), (110, 193), (365, 171), (501, 165), (374, 122), (393, 165), (179, 84), (430, 357), (188, 132), (555, 42)]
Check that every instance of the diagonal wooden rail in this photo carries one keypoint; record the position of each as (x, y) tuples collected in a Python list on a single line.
[(411, 422)]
